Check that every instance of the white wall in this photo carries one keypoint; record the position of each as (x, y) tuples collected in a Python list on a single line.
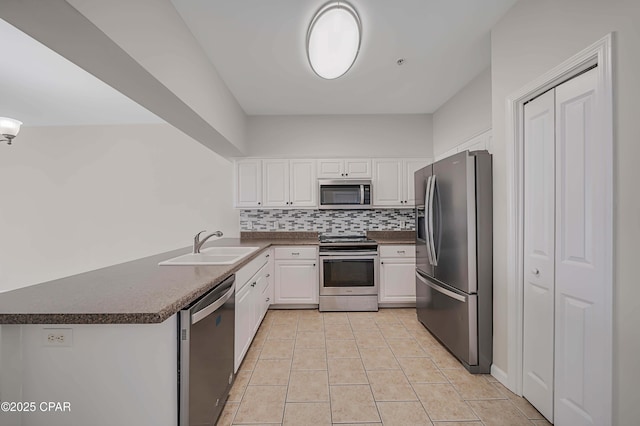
[(464, 116), (155, 35), (123, 374), (405, 135), (79, 198), (533, 37)]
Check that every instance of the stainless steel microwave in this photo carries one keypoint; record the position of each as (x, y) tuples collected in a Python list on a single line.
[(345, 194)]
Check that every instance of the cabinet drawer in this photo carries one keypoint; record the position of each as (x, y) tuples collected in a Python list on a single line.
[(404, 251), (250, 269), (292, 253)]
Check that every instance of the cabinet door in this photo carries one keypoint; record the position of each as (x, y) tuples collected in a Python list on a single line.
[(266, 296), (388, 182), (303, 183), (244, 324), (296, 282), (256, 299), (275, 183), (330, 168), (248, 183), (357, 168), (397, 281), (410, 167)]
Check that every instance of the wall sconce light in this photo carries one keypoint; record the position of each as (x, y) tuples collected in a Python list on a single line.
[(9, 129)]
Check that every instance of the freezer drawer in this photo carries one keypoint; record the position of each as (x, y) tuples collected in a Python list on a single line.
[(449, 315)]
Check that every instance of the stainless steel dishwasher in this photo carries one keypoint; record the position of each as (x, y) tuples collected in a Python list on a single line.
[(205, 370)]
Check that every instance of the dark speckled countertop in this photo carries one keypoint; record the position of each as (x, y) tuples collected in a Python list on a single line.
[(135, 292), (393, 237)]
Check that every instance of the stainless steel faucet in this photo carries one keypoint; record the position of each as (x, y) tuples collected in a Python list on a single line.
[(197, 243)]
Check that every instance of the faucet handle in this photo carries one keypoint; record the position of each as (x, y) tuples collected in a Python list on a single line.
[(197, 236)]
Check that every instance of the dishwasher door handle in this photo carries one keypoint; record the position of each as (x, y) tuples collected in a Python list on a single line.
[(202, 314)]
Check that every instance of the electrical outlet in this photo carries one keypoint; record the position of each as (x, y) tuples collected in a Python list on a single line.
[(60, 337), (403, 224), (249, 225), (275, 225)]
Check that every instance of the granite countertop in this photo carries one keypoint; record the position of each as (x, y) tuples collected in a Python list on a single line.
[(135, 292), (393, 237)]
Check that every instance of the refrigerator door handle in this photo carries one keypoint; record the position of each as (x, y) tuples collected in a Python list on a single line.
[(427, 237), (442, 290), (431, 240)]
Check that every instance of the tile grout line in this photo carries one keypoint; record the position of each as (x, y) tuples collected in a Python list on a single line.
[(404, 373), (375, 403)]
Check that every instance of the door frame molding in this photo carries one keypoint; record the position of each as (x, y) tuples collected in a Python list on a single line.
[(600, 54)]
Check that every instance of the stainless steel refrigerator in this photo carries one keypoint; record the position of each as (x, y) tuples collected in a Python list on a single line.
[(454, 248)]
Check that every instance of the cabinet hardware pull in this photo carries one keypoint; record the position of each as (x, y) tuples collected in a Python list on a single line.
[(267, 255), (382, 263), (400, 251), (267, 299), (314, 264), (295, 254), (268, 275), (254, 284)]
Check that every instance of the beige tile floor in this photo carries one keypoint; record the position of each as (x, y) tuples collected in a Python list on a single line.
[(311, 368)]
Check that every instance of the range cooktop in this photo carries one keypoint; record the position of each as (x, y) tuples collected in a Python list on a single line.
[(346, 240)]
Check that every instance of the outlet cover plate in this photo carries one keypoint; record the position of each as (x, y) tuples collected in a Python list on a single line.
[(57, 337)]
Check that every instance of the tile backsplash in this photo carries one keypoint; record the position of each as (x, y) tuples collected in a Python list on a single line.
[(328, 221)]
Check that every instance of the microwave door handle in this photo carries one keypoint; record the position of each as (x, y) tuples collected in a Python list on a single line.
[(431, 225), (361, 194), (426, 219)]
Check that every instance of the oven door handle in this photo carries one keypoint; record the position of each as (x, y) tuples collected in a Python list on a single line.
[(350, 256)]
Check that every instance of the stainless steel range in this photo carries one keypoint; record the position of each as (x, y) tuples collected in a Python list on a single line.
[(348, 273)]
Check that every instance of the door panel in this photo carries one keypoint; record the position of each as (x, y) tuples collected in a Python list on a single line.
[(583, 316), (539, 252), (248, 183), (303, 183), (422, 260), (410, 168), (454, 232), (450, 316), (275, 183), (387, 189)]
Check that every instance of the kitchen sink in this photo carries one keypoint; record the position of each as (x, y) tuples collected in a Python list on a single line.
[(212, 256)]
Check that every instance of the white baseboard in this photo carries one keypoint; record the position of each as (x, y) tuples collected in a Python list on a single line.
[(500, 375)]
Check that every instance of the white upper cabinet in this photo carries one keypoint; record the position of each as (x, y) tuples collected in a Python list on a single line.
[(393, 184), (275, 183), (283, 183), (303, 186), (334, 168), (388, 182), (410, 167), (289, 183), (248, 183)]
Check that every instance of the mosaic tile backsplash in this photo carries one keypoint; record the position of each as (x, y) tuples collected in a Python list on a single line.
[(328, 221)]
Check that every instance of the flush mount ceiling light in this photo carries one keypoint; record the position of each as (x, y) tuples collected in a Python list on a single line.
[(333, 39), (9, 129)]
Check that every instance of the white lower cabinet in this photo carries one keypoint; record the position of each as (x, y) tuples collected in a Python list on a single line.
[(251, 302), (296, 275), (397, 274)]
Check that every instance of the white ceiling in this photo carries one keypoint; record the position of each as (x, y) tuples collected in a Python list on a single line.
[(41, 88), (258, 48)]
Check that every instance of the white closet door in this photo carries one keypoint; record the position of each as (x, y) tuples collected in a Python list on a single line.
[(539, 252), (583, 317)]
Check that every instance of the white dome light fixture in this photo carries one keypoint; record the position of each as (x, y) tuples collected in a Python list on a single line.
[(9, 129), (333, 39)]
